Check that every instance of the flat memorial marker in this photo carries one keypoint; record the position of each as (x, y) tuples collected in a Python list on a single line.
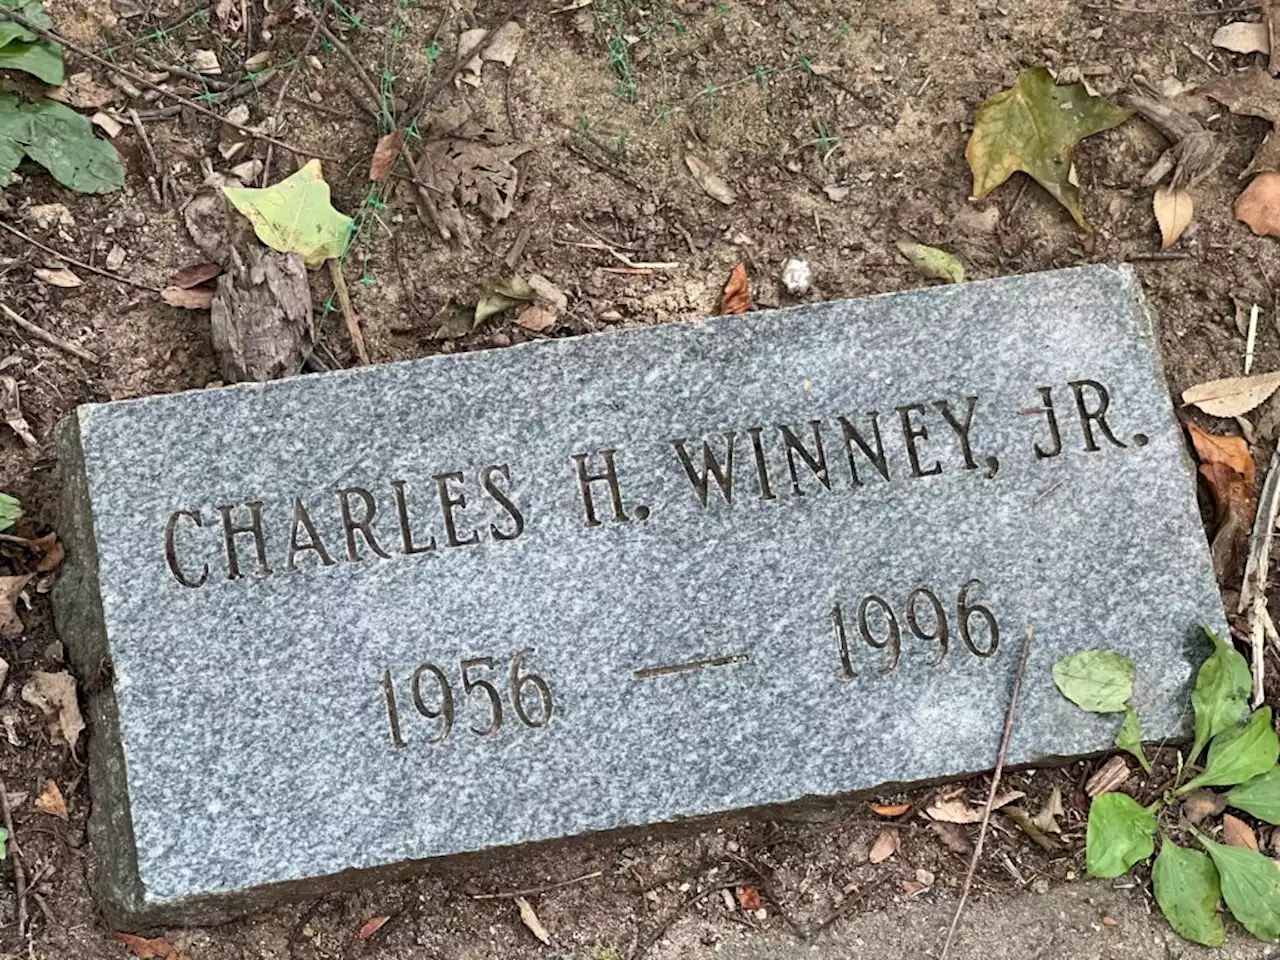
[(476, 600)]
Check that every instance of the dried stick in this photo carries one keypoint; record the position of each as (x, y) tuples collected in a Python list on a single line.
[(275, 114), (19, 873), (991, 794), (1253, 592), (156, 182), (344, 301), (531, 891), (361, 73), (79, 263), (6, 14), (42, 334)]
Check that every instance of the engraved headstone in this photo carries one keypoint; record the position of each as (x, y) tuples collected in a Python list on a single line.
[(380, 616)]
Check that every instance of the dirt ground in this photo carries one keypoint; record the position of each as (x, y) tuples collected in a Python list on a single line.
[(840, 128)]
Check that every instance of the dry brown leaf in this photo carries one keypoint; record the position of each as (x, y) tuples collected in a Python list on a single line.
[(1237, 833), (385, 155), (1267, 156), (54, 695), (10, 589), (1216, 448), (1259, 205), (536, 318), (1243, 37), (1250, 93), (144, 949), (737, 292), (1046, 819), (194, 275), (459, 172), (11, 413), (748, 898), (51, 552), (60, 277), (891, 809), (1026, 823), (711, 182), (189, 298), (953, 837), (1200, 804), (1228, 470), (957, 810), (81, 90), (51, 801), (505, 44), (1174, 210), (913, 888), (1108, 777), (371, 927), (107, 124), (530, 919), (1233, 396), (886, 845)]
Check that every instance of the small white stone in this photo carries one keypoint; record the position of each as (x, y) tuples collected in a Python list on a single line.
[(795, 277)]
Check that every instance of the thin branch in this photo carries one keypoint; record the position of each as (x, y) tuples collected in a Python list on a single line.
[(991, 794), (40, 333), (79, 263), (361, 73), (15, 855), (142, 81), (275, 114), (348, 314)]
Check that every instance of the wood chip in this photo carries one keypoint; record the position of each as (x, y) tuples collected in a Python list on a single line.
[(1109, 777), (530, 919)]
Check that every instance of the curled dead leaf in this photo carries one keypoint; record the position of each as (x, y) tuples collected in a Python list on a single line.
[(711, 182), (156, 948), (11, 412), (1237, 833), (535, 318), (51, 801), (194, 275), (530, 919), (385, 155), (891, 809), (50, 551), (10, 590), (958, 810), (886, 845), (189, 298), (371, 927), (1259, 205), (748, 897), (737, 292), (59, 277), (54, 695), (1232, 396), (1202, 803), (1228, 471), (952, 836), (1046, 820), (1174, 210), (1243, 37)]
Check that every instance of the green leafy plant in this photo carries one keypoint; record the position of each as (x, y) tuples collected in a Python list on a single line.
[(1189, 885), (10, 511), (53, 135)]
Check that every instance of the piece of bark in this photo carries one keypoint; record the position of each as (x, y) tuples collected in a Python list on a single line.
[(261, 315), (1196, 151)]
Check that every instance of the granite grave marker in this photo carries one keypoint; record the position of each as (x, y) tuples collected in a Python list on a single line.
[(374, 617)]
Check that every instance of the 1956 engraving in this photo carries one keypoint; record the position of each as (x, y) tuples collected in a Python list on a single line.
[(887, 634), (440, 703)]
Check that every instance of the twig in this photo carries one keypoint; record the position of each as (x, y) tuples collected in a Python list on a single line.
[(671, 918), (275, 114), (79, 263), (1253, 592), (210, 82), (1160, 257), (15, 855), (344, 301), (1251, 339), (157, 182), (991, 794), (604, 167), (361, 73), (531, 891), (52, 339), (6, 14)]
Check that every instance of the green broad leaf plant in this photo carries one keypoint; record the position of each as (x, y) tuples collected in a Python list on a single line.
[(46, 131), (1191, 883)]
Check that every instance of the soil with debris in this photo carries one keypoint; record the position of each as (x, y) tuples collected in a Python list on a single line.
[(688, 135)]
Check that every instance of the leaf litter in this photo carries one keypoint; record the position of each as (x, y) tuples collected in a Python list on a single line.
[(1232, 396), (54, 695), (52, 802), (1228, 470)]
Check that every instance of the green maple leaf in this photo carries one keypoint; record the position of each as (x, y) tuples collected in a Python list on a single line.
[(295, 216), (1034, 127)]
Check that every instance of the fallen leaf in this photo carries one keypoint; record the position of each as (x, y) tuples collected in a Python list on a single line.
[(11, 412), (953, 837), (188, 298), (1243, 37), (748, 898), (206, 62), (50, 550), (1173, 209), (1217, 448), (737, 292), (712, 183), (836, 193), (505, 44), (501, 296), (51, 801), (536, 319), (957, 810), (1259, 205), (1250, 93), (10, 511), (49, 215), (371, 927), (1233, 396), (10, 589), (385, 155), (548, 294), (1237, 833), (54, 695), (931, 262), (530, 919), (891, 809), (144, 949), (886, 845), (60, 277), (460, 170), (295, 215), (1200, 804), (1026, 823), (195, 275), (913, 887), (1228, 471), (1267, 156), (107, 124), (1046, 819), (1034, 127)]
